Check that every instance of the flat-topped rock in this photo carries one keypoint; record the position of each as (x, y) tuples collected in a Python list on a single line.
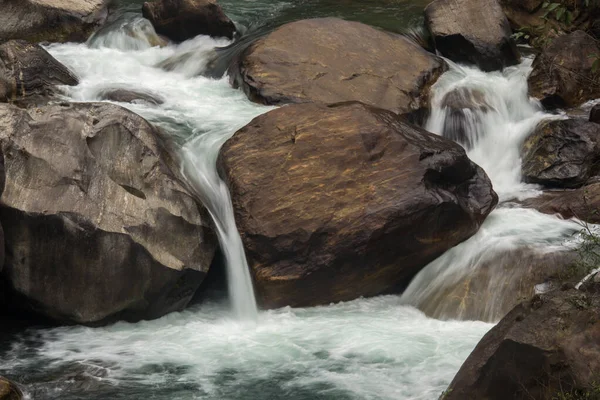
[(330, 60)]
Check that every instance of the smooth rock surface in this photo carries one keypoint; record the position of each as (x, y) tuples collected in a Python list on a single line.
[(477, 296), (180, 20), (130, 96), (544, 348), (51, 20), (562, 74), (342, 201), (29, 74), (329, 60), (562, 153), (97, 225), (473, 32)]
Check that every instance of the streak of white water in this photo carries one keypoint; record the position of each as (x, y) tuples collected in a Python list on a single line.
[(204, 113), (508, 118), (502, 117)]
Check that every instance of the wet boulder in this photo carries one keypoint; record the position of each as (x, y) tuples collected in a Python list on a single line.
[(9, 390), (51, 20), (464, 108), (130, 96), (180, 20), (342, 201), (472, 32), (29, 74), (329, 60), (97, 225), (582, 203), (563, 73), (545, 348), (563, 153), (595, 114)]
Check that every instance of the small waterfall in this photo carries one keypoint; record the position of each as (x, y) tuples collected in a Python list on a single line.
[(199, 113), (490, 114), (199, 168)]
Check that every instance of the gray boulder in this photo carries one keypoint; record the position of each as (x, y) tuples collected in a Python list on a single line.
[(29, 74), (51, 20), (97, 225)]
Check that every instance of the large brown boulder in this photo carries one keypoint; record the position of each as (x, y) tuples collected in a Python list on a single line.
[(495, 284), (562, 153), (329, 60), (582, 203), (180, 20), (563, 73), (51, 20), (473, 32), (97, 226), (546, 348), (342, 201), (9, 391), (29, 74)]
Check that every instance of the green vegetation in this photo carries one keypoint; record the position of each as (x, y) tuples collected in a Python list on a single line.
[(592, 393)]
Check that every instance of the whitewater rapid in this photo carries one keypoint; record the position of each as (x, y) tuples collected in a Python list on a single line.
[(495, 132), (368, 349)]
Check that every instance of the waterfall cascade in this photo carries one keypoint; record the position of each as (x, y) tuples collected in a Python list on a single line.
[(490, 114)]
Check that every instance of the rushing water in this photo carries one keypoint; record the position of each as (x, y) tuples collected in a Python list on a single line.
[(380, 348), (501, 117)]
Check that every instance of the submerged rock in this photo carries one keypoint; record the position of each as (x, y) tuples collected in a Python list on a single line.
[(9, 391), (130, 96), (544, 348), (29, 74), (97, 226), (562, 74), (180, 20), (342, 201), (51, 20), (473, 32), (464, 108), (582, 203), (495, 285), (329, 60), (562, 153)]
